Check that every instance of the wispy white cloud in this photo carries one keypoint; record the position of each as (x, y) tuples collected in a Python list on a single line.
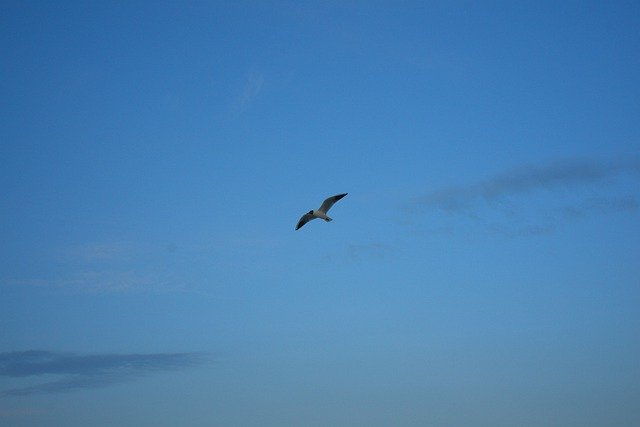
[(109, 267), (251, 89), (106, 281), (122, 281), (368, 250), (361, 251), (100, 251)]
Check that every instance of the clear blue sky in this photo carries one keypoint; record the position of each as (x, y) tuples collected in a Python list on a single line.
[(483, 270)]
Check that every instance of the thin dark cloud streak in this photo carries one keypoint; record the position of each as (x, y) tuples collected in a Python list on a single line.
[(66, 384), (523, 180), (368, 250), (601, 205), (78, 371)]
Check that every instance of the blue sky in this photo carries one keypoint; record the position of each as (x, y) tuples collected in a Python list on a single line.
[(155, 158)]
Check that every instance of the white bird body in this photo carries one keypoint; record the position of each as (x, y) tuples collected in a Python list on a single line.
[(321, 215), (320, 212)]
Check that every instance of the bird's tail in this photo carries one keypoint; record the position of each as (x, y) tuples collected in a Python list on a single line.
[(328, 219)]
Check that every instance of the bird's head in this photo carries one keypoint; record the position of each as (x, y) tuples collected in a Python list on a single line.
[(311, 212)]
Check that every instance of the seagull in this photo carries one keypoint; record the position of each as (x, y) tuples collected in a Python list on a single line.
[(321, 212)]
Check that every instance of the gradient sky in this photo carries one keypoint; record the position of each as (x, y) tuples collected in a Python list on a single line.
[(484, 269)]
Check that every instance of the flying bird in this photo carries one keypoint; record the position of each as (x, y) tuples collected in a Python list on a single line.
[(321, 212)]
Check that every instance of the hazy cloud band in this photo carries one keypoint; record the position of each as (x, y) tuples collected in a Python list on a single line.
[(86, 371), (524, 180)]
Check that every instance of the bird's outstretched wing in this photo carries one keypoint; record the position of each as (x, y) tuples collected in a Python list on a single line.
[(305, 219), (329, 201)]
